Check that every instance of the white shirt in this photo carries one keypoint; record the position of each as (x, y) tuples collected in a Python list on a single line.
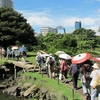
[(94, 75), (48, 59)]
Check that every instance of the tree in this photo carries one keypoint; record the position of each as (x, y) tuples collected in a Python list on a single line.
[(14, 28), (99, 29), (85, 38)]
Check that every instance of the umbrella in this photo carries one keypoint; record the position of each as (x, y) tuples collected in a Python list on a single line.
[(80, 58), (14, 47), (65, 56), (42, 52), (59, 52), (44, 55), (95, 59)]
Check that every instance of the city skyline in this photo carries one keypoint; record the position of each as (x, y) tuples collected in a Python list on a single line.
[(64, 13)]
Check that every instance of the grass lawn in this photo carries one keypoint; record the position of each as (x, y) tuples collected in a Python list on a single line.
[(50, 84)]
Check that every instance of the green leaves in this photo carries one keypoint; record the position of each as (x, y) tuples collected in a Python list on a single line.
[(14, 28)]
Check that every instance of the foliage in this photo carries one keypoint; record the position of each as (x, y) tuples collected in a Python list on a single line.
[(14, 28), (81, 40)]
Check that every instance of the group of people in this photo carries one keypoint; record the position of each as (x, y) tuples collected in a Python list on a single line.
[(87, 70), (50, 63), (15, 54)]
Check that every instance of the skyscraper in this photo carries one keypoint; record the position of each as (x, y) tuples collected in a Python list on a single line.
[(77, 24), (6, 3)]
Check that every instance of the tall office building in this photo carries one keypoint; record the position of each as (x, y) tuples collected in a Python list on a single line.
[(6, 3), (77, 24), (46, 29)]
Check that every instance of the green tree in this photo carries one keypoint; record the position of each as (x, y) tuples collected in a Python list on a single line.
[(14, 28)]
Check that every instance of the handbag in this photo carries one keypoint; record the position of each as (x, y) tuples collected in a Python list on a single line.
[(96, 81)]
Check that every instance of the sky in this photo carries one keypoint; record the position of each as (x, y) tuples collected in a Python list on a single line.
[(54, 13)]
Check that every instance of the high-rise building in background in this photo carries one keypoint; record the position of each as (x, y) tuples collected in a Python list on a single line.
[(6, 3), (77, 24), (46, 29)]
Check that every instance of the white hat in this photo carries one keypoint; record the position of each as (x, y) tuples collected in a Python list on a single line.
[(50, 54), (38, 53), (95, 65)]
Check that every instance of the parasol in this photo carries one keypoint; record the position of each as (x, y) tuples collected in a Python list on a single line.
[(80, 58), (44, 55), (95, 59), (14, 47), (42, 52), (65, 56), (59, 52)]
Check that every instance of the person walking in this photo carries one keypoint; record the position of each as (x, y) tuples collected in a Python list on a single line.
[(50, 66), (74, 72), (16, 54), (39, 61), (23, 52), (64, 69), (85, 71), (12, 54), (8, 53), (94, 75)]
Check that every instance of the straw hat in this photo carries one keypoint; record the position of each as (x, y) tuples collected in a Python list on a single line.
[(38, 53), (95, 65)]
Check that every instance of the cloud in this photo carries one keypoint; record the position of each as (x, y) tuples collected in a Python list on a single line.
[(44, 18)]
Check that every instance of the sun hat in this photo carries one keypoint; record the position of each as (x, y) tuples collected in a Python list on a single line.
[(50, 54), (38, 53), (95, 65)]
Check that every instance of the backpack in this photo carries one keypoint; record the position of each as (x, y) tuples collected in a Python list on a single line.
[(96, 82), (24, 53)]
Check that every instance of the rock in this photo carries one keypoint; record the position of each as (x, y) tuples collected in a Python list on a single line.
[(26, 85), (29, 90), (48, 96), (10, 90)]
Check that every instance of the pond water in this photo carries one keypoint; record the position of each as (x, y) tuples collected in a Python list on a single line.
[(7, 97)]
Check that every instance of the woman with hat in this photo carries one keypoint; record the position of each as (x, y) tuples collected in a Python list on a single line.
[(94, 75)]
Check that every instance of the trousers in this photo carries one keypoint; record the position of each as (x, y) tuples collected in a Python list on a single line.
[(94, 93)]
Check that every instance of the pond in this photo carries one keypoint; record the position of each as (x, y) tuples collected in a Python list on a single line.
[(7, 97)]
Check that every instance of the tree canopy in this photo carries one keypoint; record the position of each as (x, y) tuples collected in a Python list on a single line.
[(81, 40), (14, 28)]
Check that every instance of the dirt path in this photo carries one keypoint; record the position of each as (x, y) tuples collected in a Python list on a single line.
[(79, 91)]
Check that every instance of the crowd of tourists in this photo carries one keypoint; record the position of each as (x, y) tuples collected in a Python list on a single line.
[(87, 70), (14, 53)]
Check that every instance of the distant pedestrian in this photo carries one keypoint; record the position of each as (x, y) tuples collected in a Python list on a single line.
[(12, 54), (16, 54), (94, 75), (50, 66), (8, 53), (86, 79), (74, 72), (3, 53), (39, 61), (64, 69), (23, 52)]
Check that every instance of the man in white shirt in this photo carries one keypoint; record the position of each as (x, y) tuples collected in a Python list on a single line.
[(94, 75), (50, 63)]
